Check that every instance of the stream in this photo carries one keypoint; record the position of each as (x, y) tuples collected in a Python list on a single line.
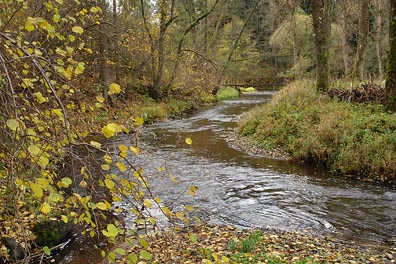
[(236, 188), (247, 191)]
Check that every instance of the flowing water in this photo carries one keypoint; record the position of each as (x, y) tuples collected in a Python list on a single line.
[(236, 188), (244, 190)]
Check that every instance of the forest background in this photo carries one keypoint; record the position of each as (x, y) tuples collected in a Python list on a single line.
[(70, 68)]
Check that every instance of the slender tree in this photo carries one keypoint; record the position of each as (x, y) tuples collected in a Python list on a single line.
[(321, 11), (358, 66), (391, 67), (378, 29)]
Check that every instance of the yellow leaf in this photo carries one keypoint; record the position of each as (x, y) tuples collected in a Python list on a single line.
[(189, 141), (77, 29), (71, 38), (115, 127), (114, 89), (138, 121), (66, 181), (80, 68), (108, 158), (121, 166), (37, 189), (57, 112), (43, 162), (111, 129), (94, 9), (109, 184), (83, 183), (123, 148), (225, 259), (101, 206), (167, 212), (45, 208), (56, 18), (40, 98), (147, 203), (29, 26), (111, 231), (69, 50), (189, 208), (157, 200), (180, 215), (88, 50), (12, 124), (192, 190), (173, 179), (68, 73), (65, 219), (95, 144), (107, 132), (43, 182), (105, 167), (34, 150), (135, 150), (100, 98)]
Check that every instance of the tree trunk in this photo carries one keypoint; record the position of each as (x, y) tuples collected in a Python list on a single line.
[(292, 10), (115, 45), (344, 42), (391, 67), (358, 66), (321, 10), (378, 29), (104, 71)]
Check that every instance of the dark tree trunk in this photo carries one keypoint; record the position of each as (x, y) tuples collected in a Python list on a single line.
[(321, 11), (391, 67), (358, 67), (378, 30)]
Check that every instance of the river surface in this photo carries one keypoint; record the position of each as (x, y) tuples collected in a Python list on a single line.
[(236, 188), (245, 190)]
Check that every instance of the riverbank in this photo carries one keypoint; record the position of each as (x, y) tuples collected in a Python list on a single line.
[(225, 244), (355, 139)]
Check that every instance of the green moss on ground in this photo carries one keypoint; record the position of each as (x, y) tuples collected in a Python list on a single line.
[(349, 138)]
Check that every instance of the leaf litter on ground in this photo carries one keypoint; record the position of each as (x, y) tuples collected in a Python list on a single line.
[(226, 244)]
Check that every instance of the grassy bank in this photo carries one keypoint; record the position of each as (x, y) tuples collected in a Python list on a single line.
[(349, 138), (90, 117), (227, 92)]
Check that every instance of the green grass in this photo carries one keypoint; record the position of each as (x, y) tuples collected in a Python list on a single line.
[(357, 139), (227, 92), (247, 89)]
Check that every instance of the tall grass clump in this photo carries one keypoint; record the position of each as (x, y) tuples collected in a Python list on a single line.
[(355, 139), (227, 92)]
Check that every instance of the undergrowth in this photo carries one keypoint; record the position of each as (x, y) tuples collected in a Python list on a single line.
[(349, 138)]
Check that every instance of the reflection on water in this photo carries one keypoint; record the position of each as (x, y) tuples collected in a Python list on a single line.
[(248, 191)]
